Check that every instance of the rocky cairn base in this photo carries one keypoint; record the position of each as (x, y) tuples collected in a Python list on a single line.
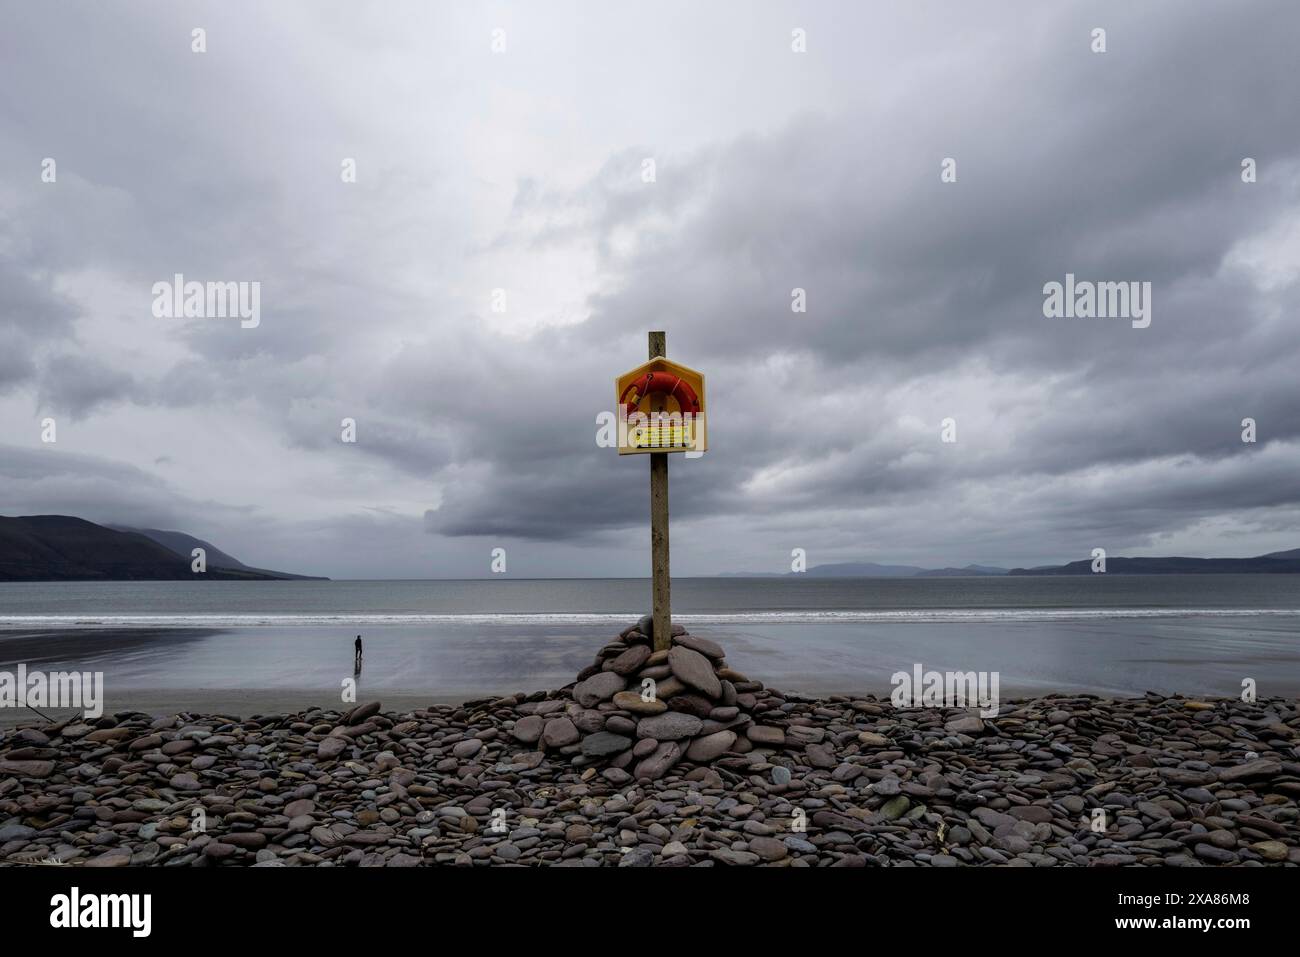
[(712, 769), (638, 712)]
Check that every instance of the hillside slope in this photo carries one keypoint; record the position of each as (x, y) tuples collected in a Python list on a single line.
[(64, 548), (184, 545)]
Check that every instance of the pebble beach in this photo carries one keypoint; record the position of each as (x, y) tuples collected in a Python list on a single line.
[(712, 769)]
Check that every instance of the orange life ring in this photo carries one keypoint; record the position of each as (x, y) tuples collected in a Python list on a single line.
[(661, 382)]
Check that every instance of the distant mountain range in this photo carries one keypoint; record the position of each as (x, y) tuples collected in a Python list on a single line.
[(873, 570), (1273, 563), (63, 548)]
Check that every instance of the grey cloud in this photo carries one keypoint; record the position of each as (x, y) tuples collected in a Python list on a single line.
[(76, 384), (53, 480), (924, 299), (32, 313)]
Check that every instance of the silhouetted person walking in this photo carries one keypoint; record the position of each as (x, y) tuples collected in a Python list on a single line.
[(356, 661)]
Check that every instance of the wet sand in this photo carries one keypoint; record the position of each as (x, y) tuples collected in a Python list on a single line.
[(234, 704), (274, 669)]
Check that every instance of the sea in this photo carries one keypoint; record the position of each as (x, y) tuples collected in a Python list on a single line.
[(1199, 635)]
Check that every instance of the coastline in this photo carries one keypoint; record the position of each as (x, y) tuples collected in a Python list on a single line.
[(234, 704), (777, 779), (273, 668)]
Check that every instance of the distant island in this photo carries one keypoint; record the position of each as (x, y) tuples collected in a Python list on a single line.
[(64, 548), (1287, 562), (1271, 564), (873, 570)]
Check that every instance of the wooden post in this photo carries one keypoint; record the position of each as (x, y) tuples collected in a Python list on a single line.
[(661, 613)]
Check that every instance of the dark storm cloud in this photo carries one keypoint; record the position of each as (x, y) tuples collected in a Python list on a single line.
[(31, 314), (1121, 168), (76, 384), (51, 480), (924, 299)]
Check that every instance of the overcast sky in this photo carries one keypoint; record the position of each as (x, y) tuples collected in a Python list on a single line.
[(522, 170)]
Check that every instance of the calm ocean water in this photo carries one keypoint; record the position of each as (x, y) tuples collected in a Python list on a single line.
[(733, 600), (1103, 634)]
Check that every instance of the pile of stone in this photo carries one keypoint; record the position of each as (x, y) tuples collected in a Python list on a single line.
[(643, 711), (787, 780)]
